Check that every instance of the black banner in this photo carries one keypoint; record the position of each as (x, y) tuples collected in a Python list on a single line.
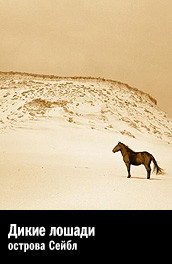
[(82, 233)]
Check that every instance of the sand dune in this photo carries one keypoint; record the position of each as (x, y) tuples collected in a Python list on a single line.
[(57, 136)]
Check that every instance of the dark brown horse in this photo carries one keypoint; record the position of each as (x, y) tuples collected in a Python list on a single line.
[(131, 157)]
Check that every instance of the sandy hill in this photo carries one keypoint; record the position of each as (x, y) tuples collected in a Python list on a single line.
[(56, 140), (93, 102)]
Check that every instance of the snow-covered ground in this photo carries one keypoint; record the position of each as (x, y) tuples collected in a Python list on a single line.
[(56, 145)]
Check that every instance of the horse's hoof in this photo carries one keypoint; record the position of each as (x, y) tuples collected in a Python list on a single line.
[(129, 177)]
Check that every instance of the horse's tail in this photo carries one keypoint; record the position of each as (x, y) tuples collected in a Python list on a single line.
[(157, 169)]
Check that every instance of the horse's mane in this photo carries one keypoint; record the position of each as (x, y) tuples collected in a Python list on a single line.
[(128, 149)]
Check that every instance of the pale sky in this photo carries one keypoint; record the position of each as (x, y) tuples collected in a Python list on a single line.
[(124, 40)]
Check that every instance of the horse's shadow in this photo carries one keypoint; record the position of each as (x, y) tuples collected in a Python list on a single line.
[(142, 178)]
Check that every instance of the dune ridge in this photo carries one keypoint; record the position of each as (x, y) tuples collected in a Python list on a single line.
[(93, 102)]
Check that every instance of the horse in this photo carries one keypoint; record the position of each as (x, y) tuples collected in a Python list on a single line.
[(131, 157)]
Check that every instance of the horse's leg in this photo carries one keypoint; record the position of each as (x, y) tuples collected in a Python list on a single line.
[(148, 173), (148, 168), (128, 168)]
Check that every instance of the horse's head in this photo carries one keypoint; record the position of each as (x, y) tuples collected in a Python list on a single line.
[(117, 147)]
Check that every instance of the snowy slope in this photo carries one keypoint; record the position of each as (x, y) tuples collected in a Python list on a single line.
[(93, 102)]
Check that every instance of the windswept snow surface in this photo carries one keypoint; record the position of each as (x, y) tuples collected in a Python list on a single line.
[(57, 136)]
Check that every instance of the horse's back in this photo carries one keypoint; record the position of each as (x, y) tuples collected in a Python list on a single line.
[(145, 153)]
